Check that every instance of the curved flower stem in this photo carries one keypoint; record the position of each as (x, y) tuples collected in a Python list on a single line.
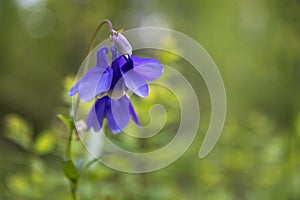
[(92, 40)]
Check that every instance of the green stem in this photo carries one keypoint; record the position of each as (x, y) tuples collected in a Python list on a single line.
[(72, 183), (69, 144), (73, 187)]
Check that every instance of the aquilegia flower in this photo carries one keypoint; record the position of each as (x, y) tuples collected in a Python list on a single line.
[(125, 73), (110, 84)]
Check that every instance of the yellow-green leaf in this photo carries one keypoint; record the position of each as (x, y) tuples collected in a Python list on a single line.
[(45, 143), (68, 123), (18, 130)]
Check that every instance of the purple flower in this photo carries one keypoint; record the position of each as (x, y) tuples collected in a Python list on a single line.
[(117, 112), (126, 72), (110, 84)]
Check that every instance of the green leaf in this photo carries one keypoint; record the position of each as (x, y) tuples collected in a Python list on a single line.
[(44, 143), (17, 130), (70, 170), (68, 123)]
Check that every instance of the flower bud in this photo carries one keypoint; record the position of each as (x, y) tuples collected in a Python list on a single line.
[(121, 43)]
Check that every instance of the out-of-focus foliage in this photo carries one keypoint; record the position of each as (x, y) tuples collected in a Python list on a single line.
[(256, 46), (18, 130)]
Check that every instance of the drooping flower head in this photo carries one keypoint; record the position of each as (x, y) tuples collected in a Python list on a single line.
[(109, 84)]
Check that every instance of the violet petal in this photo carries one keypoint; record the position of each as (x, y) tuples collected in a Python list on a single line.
[(149, 68), (117, 114)]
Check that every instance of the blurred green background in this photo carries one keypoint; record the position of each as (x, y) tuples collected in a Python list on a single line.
[(255, 44)]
